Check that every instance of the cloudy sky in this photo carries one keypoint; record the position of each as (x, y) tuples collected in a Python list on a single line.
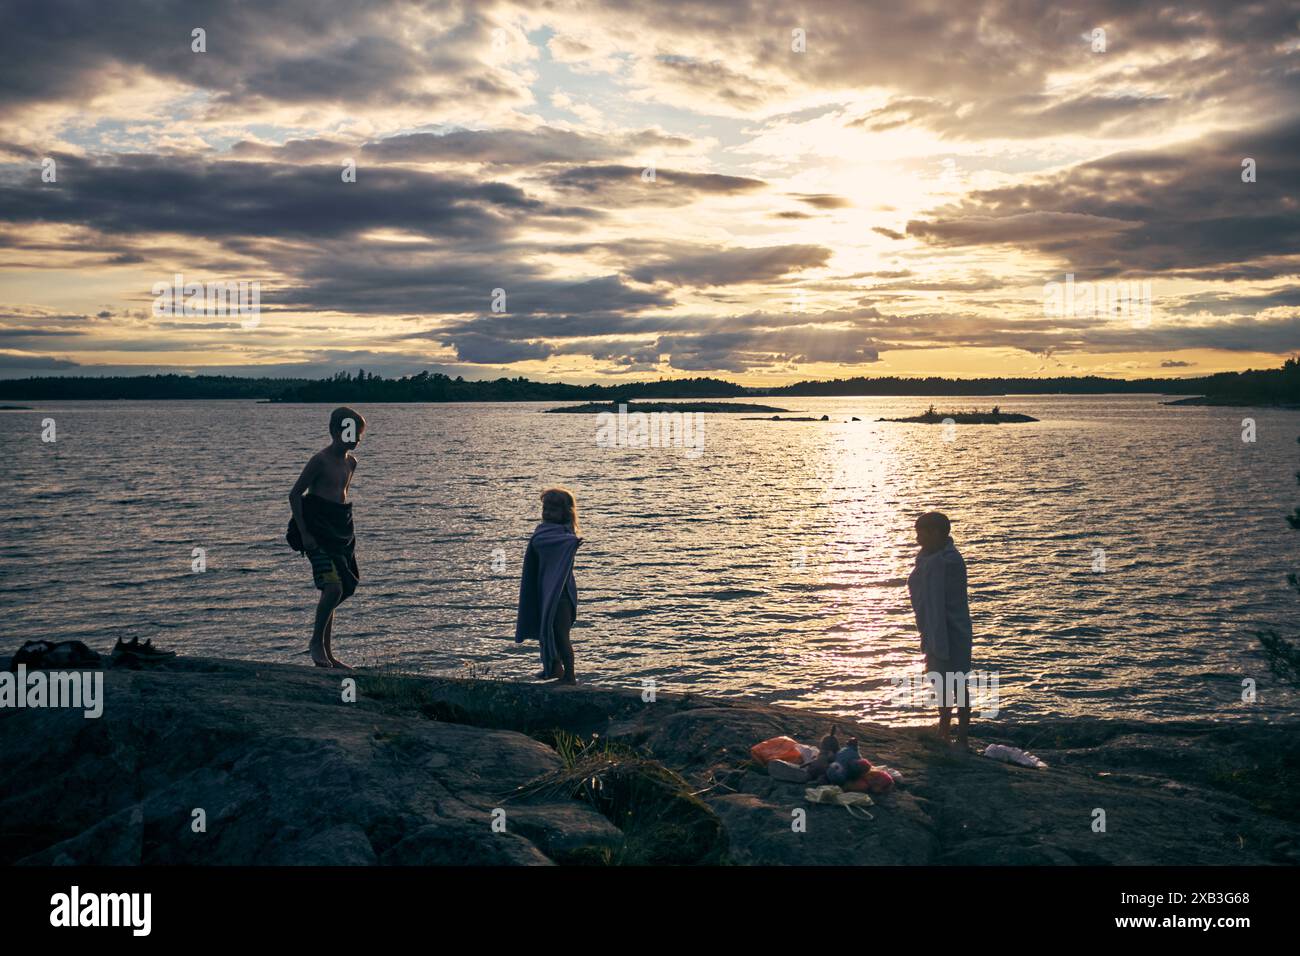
[(759, 190)]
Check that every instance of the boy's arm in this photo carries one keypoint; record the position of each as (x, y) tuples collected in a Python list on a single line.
[(300, 487)]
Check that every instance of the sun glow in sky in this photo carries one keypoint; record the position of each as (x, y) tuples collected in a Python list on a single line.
[(660, 190)]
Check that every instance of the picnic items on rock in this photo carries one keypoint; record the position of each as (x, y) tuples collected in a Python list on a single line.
[(843, 776), (848, 755), (788, 771), (42, 655), (855, 803), (842, 767), (1014, 755), (808, 754), (777, 748)]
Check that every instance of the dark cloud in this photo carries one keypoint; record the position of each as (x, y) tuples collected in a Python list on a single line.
[(906, 281), (966, 70), (1022, 116), (389, 52), (704, 266), (1017, 228), (723, 83), (316, 150), (739, 351), (517, 147), (18, 365), (31, 338), (218, 200), (499, 147), (1150, 212), (823, 200), (763, 339), (1223, 303), (987, 69), (386, 278), (613, 185), (473, 347)]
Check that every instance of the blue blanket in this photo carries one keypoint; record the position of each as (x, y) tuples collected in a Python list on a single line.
[(548, 574)]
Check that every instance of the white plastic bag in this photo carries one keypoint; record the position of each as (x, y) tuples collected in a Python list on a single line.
[(809, 753), (826, 794), (1013, 755)]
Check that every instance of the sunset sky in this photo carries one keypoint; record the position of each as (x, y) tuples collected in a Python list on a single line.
[(761, 191)]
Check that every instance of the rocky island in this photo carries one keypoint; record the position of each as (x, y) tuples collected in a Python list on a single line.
[(803, 418), (995, 416), (592, 408), (281, 768), (1237, 401)]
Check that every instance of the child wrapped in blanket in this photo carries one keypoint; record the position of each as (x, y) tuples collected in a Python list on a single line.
[(548, 594)]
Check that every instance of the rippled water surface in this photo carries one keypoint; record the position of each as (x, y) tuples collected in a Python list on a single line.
[(772, 566)]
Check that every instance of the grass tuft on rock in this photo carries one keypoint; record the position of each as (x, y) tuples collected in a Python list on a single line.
[(663, 824)]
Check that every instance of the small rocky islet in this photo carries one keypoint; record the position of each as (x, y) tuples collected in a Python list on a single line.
[(630, 408), (995, 416)]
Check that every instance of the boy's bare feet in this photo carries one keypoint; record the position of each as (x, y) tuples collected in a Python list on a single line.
[(338, 664), (319, 657)]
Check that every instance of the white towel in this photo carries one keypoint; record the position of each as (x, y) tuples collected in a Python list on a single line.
[(1013, 755)]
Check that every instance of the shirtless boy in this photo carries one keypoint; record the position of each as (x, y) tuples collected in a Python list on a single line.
[(323, 515)]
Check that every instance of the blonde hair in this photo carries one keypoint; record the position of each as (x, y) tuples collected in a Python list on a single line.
[(559, 506)]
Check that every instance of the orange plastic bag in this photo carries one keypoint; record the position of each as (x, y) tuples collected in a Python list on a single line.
[(879, 781), (778, 748)]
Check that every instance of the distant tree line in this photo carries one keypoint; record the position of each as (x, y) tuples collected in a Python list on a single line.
[(1268, 385), (1279, 385), (143, 387), (437, 387)]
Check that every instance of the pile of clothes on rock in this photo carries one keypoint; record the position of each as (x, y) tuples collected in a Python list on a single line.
[(75, 655), (843, 767)]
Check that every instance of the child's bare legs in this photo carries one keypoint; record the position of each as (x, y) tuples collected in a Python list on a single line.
[(963, 727), (565, 648), (330, 597), (329, 634), (346, 588), (563, 645), (951, 690)]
